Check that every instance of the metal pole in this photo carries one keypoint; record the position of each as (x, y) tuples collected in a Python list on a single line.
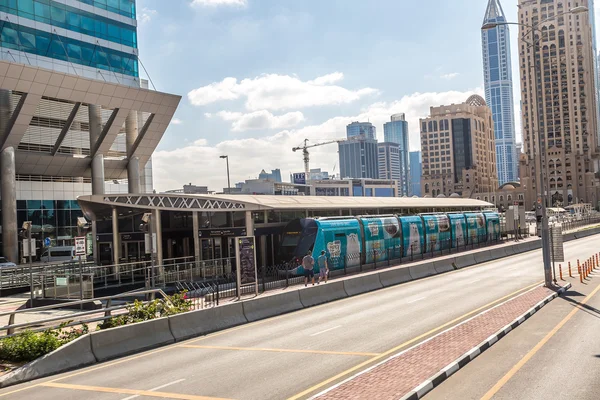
[(80, 283), (228, 181), (540, 185), (151, 253), (30, 265)]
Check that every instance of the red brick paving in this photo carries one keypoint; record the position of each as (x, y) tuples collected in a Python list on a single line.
[(402, 374)]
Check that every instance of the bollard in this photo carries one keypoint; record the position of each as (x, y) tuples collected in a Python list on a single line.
[(570, 274), (580, 277), (560, 271), (578, 267)]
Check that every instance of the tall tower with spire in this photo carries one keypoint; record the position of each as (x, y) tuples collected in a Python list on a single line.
[(497, 72)]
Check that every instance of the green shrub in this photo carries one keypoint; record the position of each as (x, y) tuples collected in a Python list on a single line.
[(27, 346), (139, 311)]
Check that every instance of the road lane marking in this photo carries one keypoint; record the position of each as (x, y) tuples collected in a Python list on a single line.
[(405, 344), (537, 348), (147, 393), (156, 388), (417, 299), (326, 330), (474, 280), (341, 353)]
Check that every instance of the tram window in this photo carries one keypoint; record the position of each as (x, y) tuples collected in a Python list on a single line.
[(290, 240), (273, 217)]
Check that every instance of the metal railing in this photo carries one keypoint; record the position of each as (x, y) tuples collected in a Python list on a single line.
[(79, 318)]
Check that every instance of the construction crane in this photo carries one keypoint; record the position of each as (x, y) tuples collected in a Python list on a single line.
[(306, 155)]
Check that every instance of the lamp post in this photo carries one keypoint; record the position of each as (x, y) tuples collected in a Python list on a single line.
[(545, 233), (228, 181)]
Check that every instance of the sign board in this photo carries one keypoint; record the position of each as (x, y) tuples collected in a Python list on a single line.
[(147, 243), (558, 253), (62, 281), (47, 242), (29, 245), (80, 246), (245, 251), (299, 178), (208, 233)]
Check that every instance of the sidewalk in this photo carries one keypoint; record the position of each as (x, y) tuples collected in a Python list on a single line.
[(401, 374)]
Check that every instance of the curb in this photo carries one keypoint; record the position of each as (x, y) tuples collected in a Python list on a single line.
[(448, 371)]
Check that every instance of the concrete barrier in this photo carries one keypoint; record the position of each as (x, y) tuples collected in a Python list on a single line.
[(465, 260), (497, 253), (442, 266), (422, 270), (323, 293), (568, 237), (482, 256), (534, 245), (75, 354), (270, 306), (395, 276), (129, 339), (509, 251), (521, 248), (362, 284), (202, 322)]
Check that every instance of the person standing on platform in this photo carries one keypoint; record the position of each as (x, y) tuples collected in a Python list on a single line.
[(308, 263), (323, 267)]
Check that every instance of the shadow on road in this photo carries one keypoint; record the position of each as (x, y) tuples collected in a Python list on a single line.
[(584, 307)]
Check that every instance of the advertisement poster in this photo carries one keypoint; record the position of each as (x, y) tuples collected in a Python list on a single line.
[(246, 261), (459, 230), (299, 178), (342, 242), (381, 234), (437, 232), (412, 233), (493, 226), (476, 227)]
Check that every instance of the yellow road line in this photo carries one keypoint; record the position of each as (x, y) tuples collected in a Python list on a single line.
[(537, 347), (341, 353), (162, 395), (405, 344)]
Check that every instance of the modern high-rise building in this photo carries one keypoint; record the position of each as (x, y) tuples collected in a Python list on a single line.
[(559, 108), (75, 118), (396, 131), (358, 158), (389, 163), (415, 173), (361, 128), (274, 175), (497, 73), (457, 148)]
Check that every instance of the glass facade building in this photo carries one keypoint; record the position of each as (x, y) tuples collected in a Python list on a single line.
[(358, 159), (361, 128), (497, 69), (396, 131), (415, 173), (94, 39)]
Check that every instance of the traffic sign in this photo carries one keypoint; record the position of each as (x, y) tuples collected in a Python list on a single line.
[(80, 247), (47, 242)]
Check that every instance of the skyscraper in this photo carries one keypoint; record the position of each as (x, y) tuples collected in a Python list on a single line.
[(558, 91), (497, 72), (389, 163), (457, 146), (74, 116), (396, 131), (361, 128), (415, 173), (358, 159)]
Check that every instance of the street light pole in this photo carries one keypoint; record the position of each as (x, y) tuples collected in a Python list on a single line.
[(545, 230), (228, 181)]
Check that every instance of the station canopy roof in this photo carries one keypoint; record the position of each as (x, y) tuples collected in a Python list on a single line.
[(103, 204)]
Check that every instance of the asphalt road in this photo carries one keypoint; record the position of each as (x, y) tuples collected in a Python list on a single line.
[(288, 355), (553, 355)]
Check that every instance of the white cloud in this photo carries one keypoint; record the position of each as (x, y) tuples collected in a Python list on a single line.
[(260, 120), (216, 3), (248, 156), (279, 92), (449, 76), (176, 121), (146, 15)]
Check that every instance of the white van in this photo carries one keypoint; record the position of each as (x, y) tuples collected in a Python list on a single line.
[(55, 254)]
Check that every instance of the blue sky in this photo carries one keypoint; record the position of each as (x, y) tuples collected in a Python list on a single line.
[(258, 76)]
